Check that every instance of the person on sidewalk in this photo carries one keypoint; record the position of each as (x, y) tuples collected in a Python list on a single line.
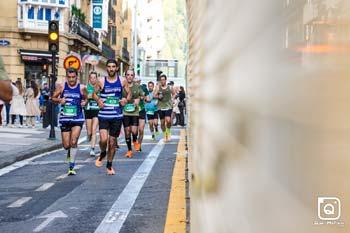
[(31, 97), (165, 94), (142, 111), (152, 111), (18, 107), (72, 96), (5, 84), (91, 112), (110, 116), (131, 113)]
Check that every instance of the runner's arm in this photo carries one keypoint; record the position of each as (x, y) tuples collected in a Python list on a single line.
[(155, 94), (126, 88), (55, 97), (85, 96), (95, 94)]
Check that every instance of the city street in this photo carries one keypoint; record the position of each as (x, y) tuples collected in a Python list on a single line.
[(36, 195)]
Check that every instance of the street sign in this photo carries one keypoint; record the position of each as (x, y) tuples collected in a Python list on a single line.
[(4, 43), (72, 61)]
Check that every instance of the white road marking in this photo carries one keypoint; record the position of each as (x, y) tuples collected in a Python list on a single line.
[(116, 216), (49, 218), (25, 162), (150, 136), (12, 135), (20, 131), (44, 187), (20, 202), (61, 177)]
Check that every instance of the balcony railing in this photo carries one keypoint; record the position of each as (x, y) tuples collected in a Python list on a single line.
[(107, 51), (77, 26), (125, 54)]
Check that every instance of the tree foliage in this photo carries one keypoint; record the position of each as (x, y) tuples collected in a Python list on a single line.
[(175, 24)]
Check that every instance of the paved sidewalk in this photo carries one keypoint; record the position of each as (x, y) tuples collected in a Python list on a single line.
[(21, 143)]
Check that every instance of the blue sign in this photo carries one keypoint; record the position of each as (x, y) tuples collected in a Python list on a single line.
[(97, 1), (4, 43), (97, 16)]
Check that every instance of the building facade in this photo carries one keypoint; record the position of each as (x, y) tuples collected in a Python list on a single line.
[(24, 29)]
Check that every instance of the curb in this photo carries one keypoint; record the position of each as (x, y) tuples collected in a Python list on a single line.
[(12, 157)]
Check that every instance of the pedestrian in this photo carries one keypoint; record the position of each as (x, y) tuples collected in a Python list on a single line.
[(91, 112), (5, 84), (131, 113), (176, 111), (18, 107), (152, 111), (182, 105), (110, 116), (1, 107), (165, 94), (72, 96), (142, 111), (31, 98)]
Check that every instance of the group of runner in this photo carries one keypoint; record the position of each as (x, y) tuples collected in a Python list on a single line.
[(108, 103)]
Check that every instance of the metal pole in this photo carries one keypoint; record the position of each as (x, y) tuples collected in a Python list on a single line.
[(135, 34), (52, 89)]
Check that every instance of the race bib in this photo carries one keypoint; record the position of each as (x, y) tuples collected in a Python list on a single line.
[(93, 105), (150, 112), (112, 101), (129, 108), (70, 110)]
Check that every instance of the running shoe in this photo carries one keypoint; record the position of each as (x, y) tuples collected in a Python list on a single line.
[(153, 137), (110, 171), (99, 162), (71, 172), (128, 154), (92, 153), (137, 146)]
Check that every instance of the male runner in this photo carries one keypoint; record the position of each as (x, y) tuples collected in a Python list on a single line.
[(142, 111), (72, 96), (164, 94), (110, 116), (91, 112), (152, 111), (131, 113)]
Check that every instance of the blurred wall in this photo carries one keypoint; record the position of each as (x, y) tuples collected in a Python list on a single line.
[(269, 127)]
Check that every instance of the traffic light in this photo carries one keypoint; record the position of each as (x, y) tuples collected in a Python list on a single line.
[(53, 36), (138, 69)]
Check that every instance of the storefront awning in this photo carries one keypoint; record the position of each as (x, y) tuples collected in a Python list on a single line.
[(36, 56)]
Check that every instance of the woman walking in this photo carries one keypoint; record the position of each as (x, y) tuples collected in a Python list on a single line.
[(32, 97)]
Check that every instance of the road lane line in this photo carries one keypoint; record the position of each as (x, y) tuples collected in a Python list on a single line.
[(116, 216), (61, 177), (44, 187), (176, 214), (25, 162), (20, 202)]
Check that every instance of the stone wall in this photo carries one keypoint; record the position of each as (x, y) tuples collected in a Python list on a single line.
[(269, 125)]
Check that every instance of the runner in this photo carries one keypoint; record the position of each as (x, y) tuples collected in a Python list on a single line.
[(72, 96), (131, 113), (110, 115), (164, 94), (152, 111), (91, 112), (142, 111)]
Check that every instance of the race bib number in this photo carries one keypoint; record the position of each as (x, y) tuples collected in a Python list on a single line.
[(112, 101), (70, 110), (129, 108), (150, 112)]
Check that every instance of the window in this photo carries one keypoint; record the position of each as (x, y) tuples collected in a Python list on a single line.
[(31, 13), (48, 14), (53, 1), (114, 35), (126, 14), (40, 14), (114, 2), (57, 16), (125, 42), (44, 0), (61, 2)]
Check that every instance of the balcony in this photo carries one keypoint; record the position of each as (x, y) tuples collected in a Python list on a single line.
[(125, 54), (107, 51), (33, 16), (77, 26)]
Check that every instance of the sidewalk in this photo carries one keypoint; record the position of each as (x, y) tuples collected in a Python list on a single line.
[(21, 143)]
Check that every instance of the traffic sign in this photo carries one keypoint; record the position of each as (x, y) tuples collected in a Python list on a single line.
[(72, 61)]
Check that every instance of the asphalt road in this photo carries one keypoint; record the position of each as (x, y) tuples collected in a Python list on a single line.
[(37, 196)]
